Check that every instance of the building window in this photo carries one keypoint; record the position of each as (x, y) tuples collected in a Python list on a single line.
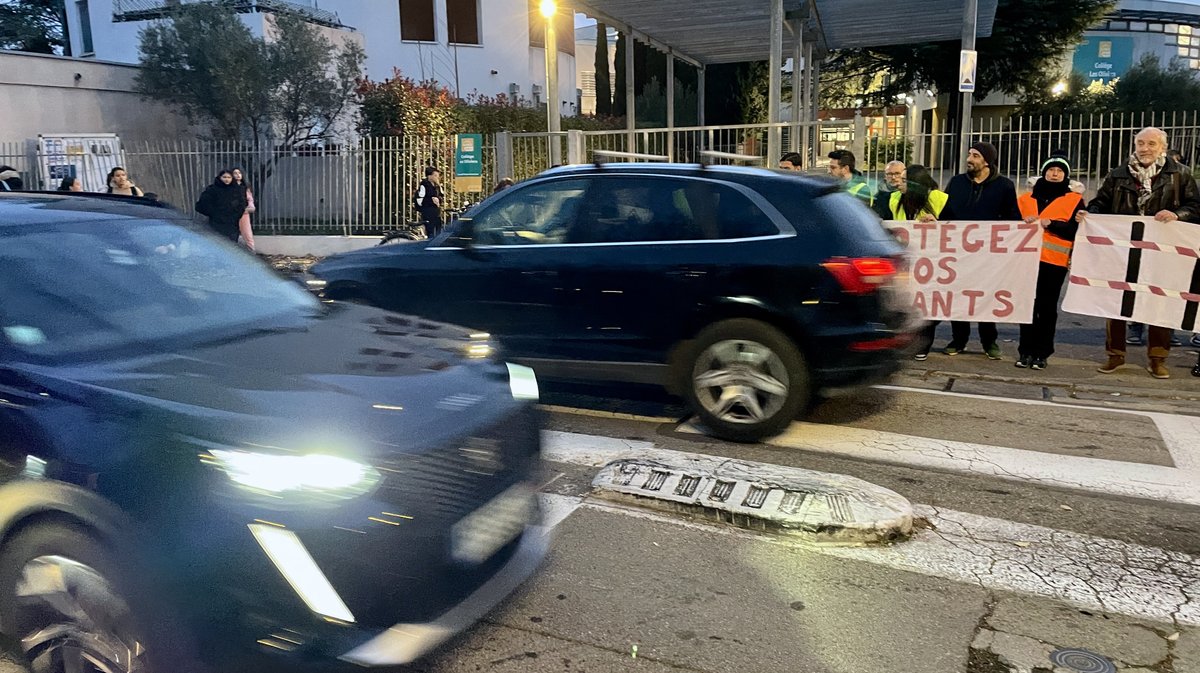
[(1185, 30), (462, 21), (1155, 27), (1171, 28), (85, 27), (1105, 49), (1118, 25), (416, 21), (564, 27), (1183, 51), (1137, 25)]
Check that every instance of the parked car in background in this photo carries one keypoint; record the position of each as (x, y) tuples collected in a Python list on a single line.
[(743, 290), (203, 467)]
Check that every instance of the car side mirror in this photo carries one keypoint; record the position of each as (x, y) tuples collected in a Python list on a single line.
[(463, 235)]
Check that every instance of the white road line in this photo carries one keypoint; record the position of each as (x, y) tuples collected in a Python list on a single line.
[(1137, 480), (1089, 572)]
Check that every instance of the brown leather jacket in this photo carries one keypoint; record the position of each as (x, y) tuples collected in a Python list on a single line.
[(1174, 189)]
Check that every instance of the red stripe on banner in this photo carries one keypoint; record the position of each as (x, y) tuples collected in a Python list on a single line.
[(1145, 245), (1187, 252), (1099, 240), (1190, 296), (1118, 285), (1079, 280), (1158, 291)]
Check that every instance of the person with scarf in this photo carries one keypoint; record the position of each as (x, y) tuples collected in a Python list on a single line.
[(1150, 184), (1053, 204), (224, 203)]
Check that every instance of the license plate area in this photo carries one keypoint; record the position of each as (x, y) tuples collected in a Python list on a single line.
[(480, 534)]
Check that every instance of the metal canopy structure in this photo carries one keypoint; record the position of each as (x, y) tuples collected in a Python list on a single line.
[(705, 32)]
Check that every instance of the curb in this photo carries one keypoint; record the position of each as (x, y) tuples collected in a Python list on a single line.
[(1171, 394), (824, 508)]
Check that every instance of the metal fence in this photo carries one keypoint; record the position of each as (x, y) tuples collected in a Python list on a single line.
[(364, 187), (369, 185)]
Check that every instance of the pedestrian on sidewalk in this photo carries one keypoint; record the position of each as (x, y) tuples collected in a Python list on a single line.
[(119, 183), (842, 166), (70, 185), (244, 229), (10, 180), (1148, 183), (1053, 205), (980, 195), (223, 203), (893, 180), (429, 201), (917, 198), (504, 184)]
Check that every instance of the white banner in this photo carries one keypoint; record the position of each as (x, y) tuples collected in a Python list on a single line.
[(1136, 269), (975, 271)]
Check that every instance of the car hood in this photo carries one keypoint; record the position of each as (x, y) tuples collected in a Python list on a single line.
[(356, 373), (372, 256)]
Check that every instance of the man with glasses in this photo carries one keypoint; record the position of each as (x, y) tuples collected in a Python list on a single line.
[(893, 177)]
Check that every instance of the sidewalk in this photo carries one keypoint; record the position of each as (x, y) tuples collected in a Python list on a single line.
[(1071, 376)]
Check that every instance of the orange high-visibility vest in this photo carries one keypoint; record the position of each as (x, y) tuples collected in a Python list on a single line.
[(1055, 250)]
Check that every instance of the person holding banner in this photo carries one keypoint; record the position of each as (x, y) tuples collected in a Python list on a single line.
[(1054, 205), (917, 198), (982, 195), (1149, 183)]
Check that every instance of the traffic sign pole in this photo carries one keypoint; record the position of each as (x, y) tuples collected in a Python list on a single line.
[(970, 17)]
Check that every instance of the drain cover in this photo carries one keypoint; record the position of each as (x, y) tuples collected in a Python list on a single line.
[(1082, 661)]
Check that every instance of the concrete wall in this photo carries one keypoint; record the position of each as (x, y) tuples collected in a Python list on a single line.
[(54, 94)]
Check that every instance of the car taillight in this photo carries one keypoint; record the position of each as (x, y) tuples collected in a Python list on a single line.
[(861, 275)]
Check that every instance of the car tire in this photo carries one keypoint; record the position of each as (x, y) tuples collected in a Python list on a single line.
[(745, 380), (64, 594)]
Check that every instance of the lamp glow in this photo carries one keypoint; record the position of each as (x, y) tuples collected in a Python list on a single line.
[(548, 8), (283, 473)]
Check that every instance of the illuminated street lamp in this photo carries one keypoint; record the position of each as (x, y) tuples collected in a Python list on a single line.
[(553, 115), (1059, 88)]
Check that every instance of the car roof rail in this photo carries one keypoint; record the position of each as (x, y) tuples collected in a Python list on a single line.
[(707, 155), (597, 155)]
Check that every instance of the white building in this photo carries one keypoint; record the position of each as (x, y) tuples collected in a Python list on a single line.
[(585, 65), (487, 47)]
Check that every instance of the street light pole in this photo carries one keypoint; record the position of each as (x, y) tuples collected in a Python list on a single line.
[(553, 114)]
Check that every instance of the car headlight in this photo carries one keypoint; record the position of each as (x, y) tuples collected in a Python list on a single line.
[(282, 475)]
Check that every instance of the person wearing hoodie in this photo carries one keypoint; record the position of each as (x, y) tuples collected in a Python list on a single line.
[(1151, 184), (1053, 204), (979, 195), (10, 180), (223, 203)]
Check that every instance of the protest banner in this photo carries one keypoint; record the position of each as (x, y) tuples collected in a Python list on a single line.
[(974, 271), (1138, 269)]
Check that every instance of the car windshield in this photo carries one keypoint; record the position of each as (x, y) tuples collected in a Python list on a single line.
[(78, 288)]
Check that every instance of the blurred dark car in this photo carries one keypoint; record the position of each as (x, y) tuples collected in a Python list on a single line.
[(203, 467), (743, 290)]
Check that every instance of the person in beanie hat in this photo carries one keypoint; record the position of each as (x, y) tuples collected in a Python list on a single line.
[(1053, 205), (980, 195)]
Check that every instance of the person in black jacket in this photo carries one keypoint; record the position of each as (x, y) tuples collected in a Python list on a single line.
[(980, 195), (223, 202), (429, 201), (1152, 184)]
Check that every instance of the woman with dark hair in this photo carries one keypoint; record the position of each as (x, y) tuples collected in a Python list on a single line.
[(223, 203), (504, 184), (917, 197), (70, 185), (244, 229), (119, 183)]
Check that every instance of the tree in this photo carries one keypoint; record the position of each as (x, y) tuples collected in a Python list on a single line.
[(1146, 87), (618, 105), (37, 26), (604, 102), (1028, 37), (293, 87)]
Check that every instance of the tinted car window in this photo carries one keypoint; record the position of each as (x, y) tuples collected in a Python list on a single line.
[(82, 287), (628, 209), (537, 214)]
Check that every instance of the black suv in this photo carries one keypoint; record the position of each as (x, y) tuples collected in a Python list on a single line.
[(743, 290), (202, 464)]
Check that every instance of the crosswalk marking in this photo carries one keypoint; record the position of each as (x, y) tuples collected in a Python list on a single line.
[(1087, 571)]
